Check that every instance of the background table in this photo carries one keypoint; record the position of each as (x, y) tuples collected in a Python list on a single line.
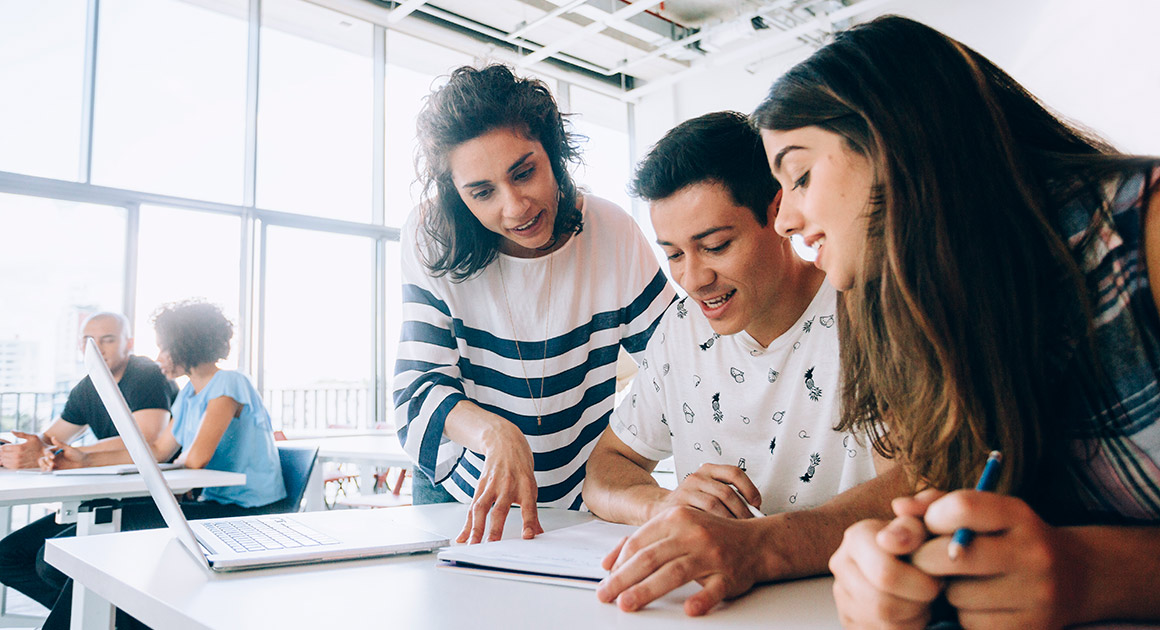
[(25, 487), (367, 451), (149, 574)]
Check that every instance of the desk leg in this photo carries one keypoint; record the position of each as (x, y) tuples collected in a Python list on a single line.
[(89, 610), (315, 492)]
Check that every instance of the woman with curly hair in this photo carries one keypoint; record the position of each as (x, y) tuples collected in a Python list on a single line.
[(219, 420), (518, 292)]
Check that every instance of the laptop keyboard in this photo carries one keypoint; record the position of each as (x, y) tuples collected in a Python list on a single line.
[(262, 534)]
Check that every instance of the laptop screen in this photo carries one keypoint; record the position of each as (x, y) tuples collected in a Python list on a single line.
[(139, 451)]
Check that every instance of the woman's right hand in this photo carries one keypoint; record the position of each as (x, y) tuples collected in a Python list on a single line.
[(507, 478), (875, 586)]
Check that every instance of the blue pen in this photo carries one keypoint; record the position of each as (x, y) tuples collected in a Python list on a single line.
[(987, 481)]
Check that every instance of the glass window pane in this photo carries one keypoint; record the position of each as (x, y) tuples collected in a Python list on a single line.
[(318, 332), (315, 124), (394, 319), (41, 68), (414, 66), (59, 262), (607, 164), (184, 255), (171, 98)]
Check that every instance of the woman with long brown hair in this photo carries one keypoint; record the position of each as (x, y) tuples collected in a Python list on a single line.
[(994, 265)]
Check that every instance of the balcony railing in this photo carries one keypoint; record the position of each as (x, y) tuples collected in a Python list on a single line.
[(29, 411), (303, 409), (319, 409)]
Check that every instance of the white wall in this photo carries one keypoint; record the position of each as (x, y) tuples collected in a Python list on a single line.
[(1094, 61)]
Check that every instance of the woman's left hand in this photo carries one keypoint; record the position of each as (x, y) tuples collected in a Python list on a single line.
[(60, 456), (1017, 573)]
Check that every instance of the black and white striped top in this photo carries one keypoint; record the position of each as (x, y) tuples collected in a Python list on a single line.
[(457, 342)]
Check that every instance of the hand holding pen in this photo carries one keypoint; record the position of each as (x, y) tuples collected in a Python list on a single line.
[(987, 482)]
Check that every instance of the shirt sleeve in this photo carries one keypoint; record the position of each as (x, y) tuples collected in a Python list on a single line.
[(152, 391), (650, 290), (639, 420), (427, 377), (234, 385), (76, 406)]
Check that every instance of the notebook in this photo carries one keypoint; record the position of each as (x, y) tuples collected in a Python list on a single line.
[(115, 469), (569, 556), (250, 542)]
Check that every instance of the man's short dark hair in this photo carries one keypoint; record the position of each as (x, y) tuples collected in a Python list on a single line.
[(721, 147)]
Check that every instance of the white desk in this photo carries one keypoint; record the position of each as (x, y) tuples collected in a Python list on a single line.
[(152, 577), (368, 451), (22, 487)]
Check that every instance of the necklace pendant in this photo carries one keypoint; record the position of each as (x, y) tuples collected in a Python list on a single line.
[(538, 421)]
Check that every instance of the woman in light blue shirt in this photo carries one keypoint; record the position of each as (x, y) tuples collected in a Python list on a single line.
[(219, 420)]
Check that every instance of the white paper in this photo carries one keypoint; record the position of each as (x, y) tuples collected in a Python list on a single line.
[(115, 469), (571, 552)]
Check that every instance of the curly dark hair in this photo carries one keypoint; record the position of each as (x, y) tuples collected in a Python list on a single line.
[(474, 102), (193, 332)]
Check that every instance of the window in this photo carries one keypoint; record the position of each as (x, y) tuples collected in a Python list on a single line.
[(318, 335), (168, 208), (414, 68), (41, 67), (607, 164), (184, 255), (170, 100), (59, 263), (315, 114)]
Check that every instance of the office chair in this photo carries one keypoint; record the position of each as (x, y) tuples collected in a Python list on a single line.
[(297, 464)]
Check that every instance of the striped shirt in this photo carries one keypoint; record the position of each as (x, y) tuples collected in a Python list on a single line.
[(1117, 478), (483, 340)]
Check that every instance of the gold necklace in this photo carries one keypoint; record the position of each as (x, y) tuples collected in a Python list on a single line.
[(544, 362)]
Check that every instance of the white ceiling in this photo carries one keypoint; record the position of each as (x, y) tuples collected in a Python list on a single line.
[(639, 43)]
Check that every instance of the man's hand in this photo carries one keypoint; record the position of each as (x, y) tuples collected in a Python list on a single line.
[(507, 478), (681, 545), (22, 454), (714, 488)]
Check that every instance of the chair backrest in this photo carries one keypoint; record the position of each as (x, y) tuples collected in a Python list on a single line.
[(297, 464)]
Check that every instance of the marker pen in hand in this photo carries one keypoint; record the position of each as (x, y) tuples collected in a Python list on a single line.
[(752, 510), (962, 537)]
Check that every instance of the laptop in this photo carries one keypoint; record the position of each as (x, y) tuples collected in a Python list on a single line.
[(249, 542)]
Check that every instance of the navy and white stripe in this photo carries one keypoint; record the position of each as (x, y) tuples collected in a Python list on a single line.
[(458, 343)]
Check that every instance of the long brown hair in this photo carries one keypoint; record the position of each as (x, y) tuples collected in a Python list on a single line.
[(969, 305)]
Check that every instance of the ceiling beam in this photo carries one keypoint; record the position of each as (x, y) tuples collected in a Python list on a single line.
[(696, 37), (639, 6), (403, 10), (760, 43), (558, 11)]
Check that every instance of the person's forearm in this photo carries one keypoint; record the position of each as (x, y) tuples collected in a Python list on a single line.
[(799, 544), (472, 426), (617, 489), (107, 444), (106, 457), (1117, 572)]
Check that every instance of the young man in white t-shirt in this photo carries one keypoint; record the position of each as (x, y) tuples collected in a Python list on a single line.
[(739, 383)]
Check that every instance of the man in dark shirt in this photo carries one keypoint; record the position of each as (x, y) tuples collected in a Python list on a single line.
[(149, 395)]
